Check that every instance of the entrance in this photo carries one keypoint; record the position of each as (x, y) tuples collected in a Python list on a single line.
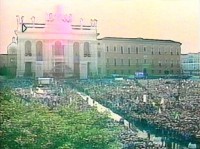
[(28, 69)]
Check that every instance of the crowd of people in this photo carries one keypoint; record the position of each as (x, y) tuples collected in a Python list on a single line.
[(171, 106)]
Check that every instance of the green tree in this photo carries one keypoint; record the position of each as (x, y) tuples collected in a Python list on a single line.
[(35, 126)]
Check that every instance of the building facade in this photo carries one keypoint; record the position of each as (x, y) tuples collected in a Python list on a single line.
[(191, 64), (59, 48), (127, 56)]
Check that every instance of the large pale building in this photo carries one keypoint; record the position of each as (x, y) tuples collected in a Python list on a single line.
[(150, 56), (57, 48), (60, 48)]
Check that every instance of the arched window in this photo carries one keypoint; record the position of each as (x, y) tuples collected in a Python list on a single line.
[(86, 50), (76, 59), (76, 52), (76, 49), (28, 48), (39, 51), (59, 49)]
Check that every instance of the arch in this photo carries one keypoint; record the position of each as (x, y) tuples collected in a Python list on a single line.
[(59, 48), (39, 51), (86, 49), (28, 48)]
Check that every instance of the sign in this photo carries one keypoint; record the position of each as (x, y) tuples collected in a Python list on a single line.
[(139, 75)]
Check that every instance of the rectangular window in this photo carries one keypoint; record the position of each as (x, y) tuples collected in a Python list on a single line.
[(159, 64), (136, 50), (129, 50), (152, 71), (122, 62), (137, 61), (144, 49), (122, 50), (115, 49), (145, 61), (115, 62)]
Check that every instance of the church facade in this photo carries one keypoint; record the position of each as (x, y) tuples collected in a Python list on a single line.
[(59, 48)]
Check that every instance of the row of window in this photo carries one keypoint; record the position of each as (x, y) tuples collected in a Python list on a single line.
[(39, 50), (129, 62), (57, 49), (137, 51), (132, 71), (192, 61)]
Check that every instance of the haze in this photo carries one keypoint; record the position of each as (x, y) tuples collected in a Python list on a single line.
[(177, 20)]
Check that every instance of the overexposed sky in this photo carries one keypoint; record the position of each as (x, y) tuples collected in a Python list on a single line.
[(177, 20)]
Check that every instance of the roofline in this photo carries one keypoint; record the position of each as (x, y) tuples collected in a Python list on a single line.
[(143, 39), (191, 53)]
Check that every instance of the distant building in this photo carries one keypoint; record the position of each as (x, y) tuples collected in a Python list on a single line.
[(150, 56), (191, 64), (59, 48)]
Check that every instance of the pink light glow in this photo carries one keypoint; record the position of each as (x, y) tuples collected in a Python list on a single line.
[(177, 20), (58, 22)]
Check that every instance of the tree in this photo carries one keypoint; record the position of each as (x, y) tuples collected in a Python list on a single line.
[(35, 126)]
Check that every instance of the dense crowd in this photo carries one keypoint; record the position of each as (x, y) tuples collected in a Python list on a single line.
[(173, 105), (59, 94)]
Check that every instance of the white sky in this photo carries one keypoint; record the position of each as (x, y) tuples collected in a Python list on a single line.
[(177, 20)]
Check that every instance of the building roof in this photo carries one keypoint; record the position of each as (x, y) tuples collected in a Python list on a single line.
[(191, 53), (138, 39)]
